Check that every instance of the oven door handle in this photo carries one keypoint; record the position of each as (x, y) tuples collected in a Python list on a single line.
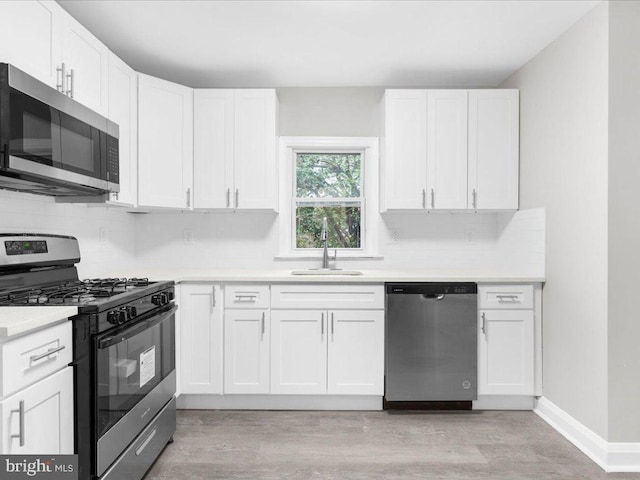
[(137, 328)]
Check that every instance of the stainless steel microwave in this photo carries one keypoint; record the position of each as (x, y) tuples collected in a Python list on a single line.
[(52, 145)]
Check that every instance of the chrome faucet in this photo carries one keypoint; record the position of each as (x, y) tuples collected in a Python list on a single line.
[(324, 238)]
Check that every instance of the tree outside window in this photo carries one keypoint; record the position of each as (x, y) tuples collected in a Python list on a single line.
[(328, 184)]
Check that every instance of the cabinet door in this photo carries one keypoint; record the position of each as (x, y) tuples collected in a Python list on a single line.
[(200, 362), (255, 149), (30, 37), (505, 352), (356, 352), (246, 351), (123, 110), (213, 148), (446, 149), (46, 409), (405, 149), (88, 57), (299, 351), (165, 143), (493, 149)]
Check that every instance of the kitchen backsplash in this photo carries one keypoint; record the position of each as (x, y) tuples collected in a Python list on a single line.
[(113, 240), (502, 242), (106, 236)]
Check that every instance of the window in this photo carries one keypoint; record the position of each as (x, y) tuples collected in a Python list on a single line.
[(328, 185), (332, 178)]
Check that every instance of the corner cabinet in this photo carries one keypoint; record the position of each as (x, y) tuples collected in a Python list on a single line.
[(508, 340), (449, 150), (165, 144), (235, 149), (123, 110), (201, 342)]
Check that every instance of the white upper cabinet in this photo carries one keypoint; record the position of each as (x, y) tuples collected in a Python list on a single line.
[(86, 62), (165, 143), (404, 169), (450, 150), (213, 148), (235, 149), (123, 110), (493, 149), (30, 38), (446, 149)]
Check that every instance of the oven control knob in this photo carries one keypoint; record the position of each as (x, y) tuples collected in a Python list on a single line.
[(132, 312), (112, 317), (156, 300), (122, 316), (170, 295), (164, 299)]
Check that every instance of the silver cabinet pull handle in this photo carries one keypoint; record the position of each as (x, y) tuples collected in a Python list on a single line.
[(51, 351), (246, 298), (61, 74), (512, 297), (146, 442), (331, 323), (432, 198), (20, 413), (237, 198), (263, 323), (474, 194), (228, 197), (424, 198), (188, 197), (70, 76), (322, 324), (484, 324), (213, 298)]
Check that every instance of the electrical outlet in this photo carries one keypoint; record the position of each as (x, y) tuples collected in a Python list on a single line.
[(469, 237), (188, 236), (102, 235)]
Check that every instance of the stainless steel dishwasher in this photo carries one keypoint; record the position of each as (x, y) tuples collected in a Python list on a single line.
[(431, 345)]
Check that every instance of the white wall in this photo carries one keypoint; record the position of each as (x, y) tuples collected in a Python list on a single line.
[(25, 213), (563, 168), (624, 221)]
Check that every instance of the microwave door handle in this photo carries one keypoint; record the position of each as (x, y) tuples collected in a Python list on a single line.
[(136, 329)]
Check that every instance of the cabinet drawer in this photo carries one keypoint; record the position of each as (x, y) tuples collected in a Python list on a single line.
[(327, 296), (33, 357), (505, 296), (246, 296)]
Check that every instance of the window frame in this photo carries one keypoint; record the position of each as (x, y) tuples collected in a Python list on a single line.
[(368, 147)]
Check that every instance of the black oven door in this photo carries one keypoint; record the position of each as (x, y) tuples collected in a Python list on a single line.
[(130, 364)]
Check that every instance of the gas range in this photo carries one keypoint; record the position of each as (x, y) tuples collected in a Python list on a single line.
[(123, 351)]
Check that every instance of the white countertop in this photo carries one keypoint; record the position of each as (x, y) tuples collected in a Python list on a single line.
[(369, 276), (16, 320)]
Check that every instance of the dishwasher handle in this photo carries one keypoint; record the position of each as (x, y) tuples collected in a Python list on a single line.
[(433, 296)]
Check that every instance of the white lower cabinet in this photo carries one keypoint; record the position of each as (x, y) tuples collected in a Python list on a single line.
[(339, 352), (299, 351), (506, 352), (201, 346), (39, 419), (246, 351)]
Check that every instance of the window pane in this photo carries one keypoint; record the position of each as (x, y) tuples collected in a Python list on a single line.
[(343, 221), (320, 175)]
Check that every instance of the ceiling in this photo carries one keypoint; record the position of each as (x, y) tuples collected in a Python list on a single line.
[(328, 43)]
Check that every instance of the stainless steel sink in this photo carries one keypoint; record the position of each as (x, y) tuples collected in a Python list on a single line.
[(326, 271)]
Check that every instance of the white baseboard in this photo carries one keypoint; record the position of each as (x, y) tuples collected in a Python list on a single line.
[(503, 402), (611, 457), (279, 402)]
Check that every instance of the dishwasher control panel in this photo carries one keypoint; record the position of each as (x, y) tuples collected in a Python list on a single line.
[(432, 288)]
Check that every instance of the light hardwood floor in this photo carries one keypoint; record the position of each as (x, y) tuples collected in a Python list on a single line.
[(370, 445)]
